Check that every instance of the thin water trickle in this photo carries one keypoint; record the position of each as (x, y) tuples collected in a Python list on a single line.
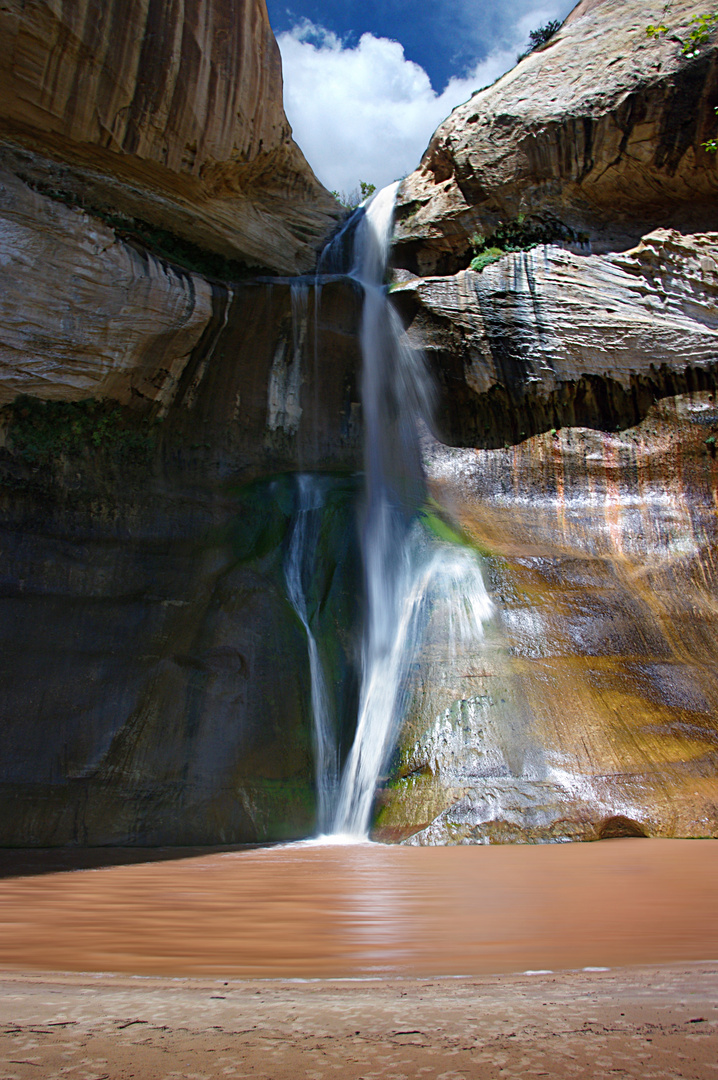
[(310, 498)]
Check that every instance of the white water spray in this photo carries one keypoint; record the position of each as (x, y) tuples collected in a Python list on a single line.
[(411, 579)]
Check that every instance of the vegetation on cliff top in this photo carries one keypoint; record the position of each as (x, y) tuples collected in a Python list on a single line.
[(520, 235), (702, 27), (539, 37), (350, 200)]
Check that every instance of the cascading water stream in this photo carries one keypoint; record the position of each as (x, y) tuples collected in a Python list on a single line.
[(404, 571), (409, 576)]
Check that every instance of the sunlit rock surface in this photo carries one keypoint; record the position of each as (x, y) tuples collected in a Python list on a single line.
[(580, 379), (592, 708), (547, 337), (600, 129), (170, 115)]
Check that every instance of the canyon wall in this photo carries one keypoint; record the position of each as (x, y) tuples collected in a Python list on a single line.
[(166, 117), (598, 130), (158, 389), (578, 425), (155, 395), (590, 710), (154, 680)]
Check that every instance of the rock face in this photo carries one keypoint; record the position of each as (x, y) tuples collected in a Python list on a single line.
[(168, 117), (590, 709), (106, 320), (154, 680), (129, 327), (143, 601), (151, 407), (547, 338), (600, 129)]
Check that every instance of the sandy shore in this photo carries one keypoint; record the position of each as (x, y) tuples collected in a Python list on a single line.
[(629, 1023), (183, 966)]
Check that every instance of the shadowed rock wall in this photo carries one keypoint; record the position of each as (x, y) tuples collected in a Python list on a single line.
[(154, 680)]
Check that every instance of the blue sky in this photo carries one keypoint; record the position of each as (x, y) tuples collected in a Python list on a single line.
[(366, 82)]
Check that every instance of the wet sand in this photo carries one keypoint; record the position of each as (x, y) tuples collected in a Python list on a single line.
[(406, 946)]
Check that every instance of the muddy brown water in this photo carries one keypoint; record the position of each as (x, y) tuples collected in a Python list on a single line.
[(369, 910)]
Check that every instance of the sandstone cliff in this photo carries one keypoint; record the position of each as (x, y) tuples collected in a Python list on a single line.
[(168, 117), (548, 338), (155, 684), (147, 381), (600, 130), (591, 708), (580, 376)]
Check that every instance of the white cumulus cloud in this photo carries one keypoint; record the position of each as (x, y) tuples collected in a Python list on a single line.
[(366, 112)]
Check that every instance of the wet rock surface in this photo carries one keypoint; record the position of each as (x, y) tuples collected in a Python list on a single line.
[(154, 674), (548, 338), (590, 709), (154, 678)]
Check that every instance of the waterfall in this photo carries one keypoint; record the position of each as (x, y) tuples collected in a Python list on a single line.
[(410, 577), (406, 573)]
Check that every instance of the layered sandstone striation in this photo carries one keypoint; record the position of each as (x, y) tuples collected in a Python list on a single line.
[(170, 116), (84, 314), (600, 129), (548, 338), (590, 709)]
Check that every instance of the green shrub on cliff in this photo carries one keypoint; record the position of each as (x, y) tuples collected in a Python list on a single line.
[(702, 27), (44, 431), (354, 198), (485, 258), (540, 37), (520, 235)]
